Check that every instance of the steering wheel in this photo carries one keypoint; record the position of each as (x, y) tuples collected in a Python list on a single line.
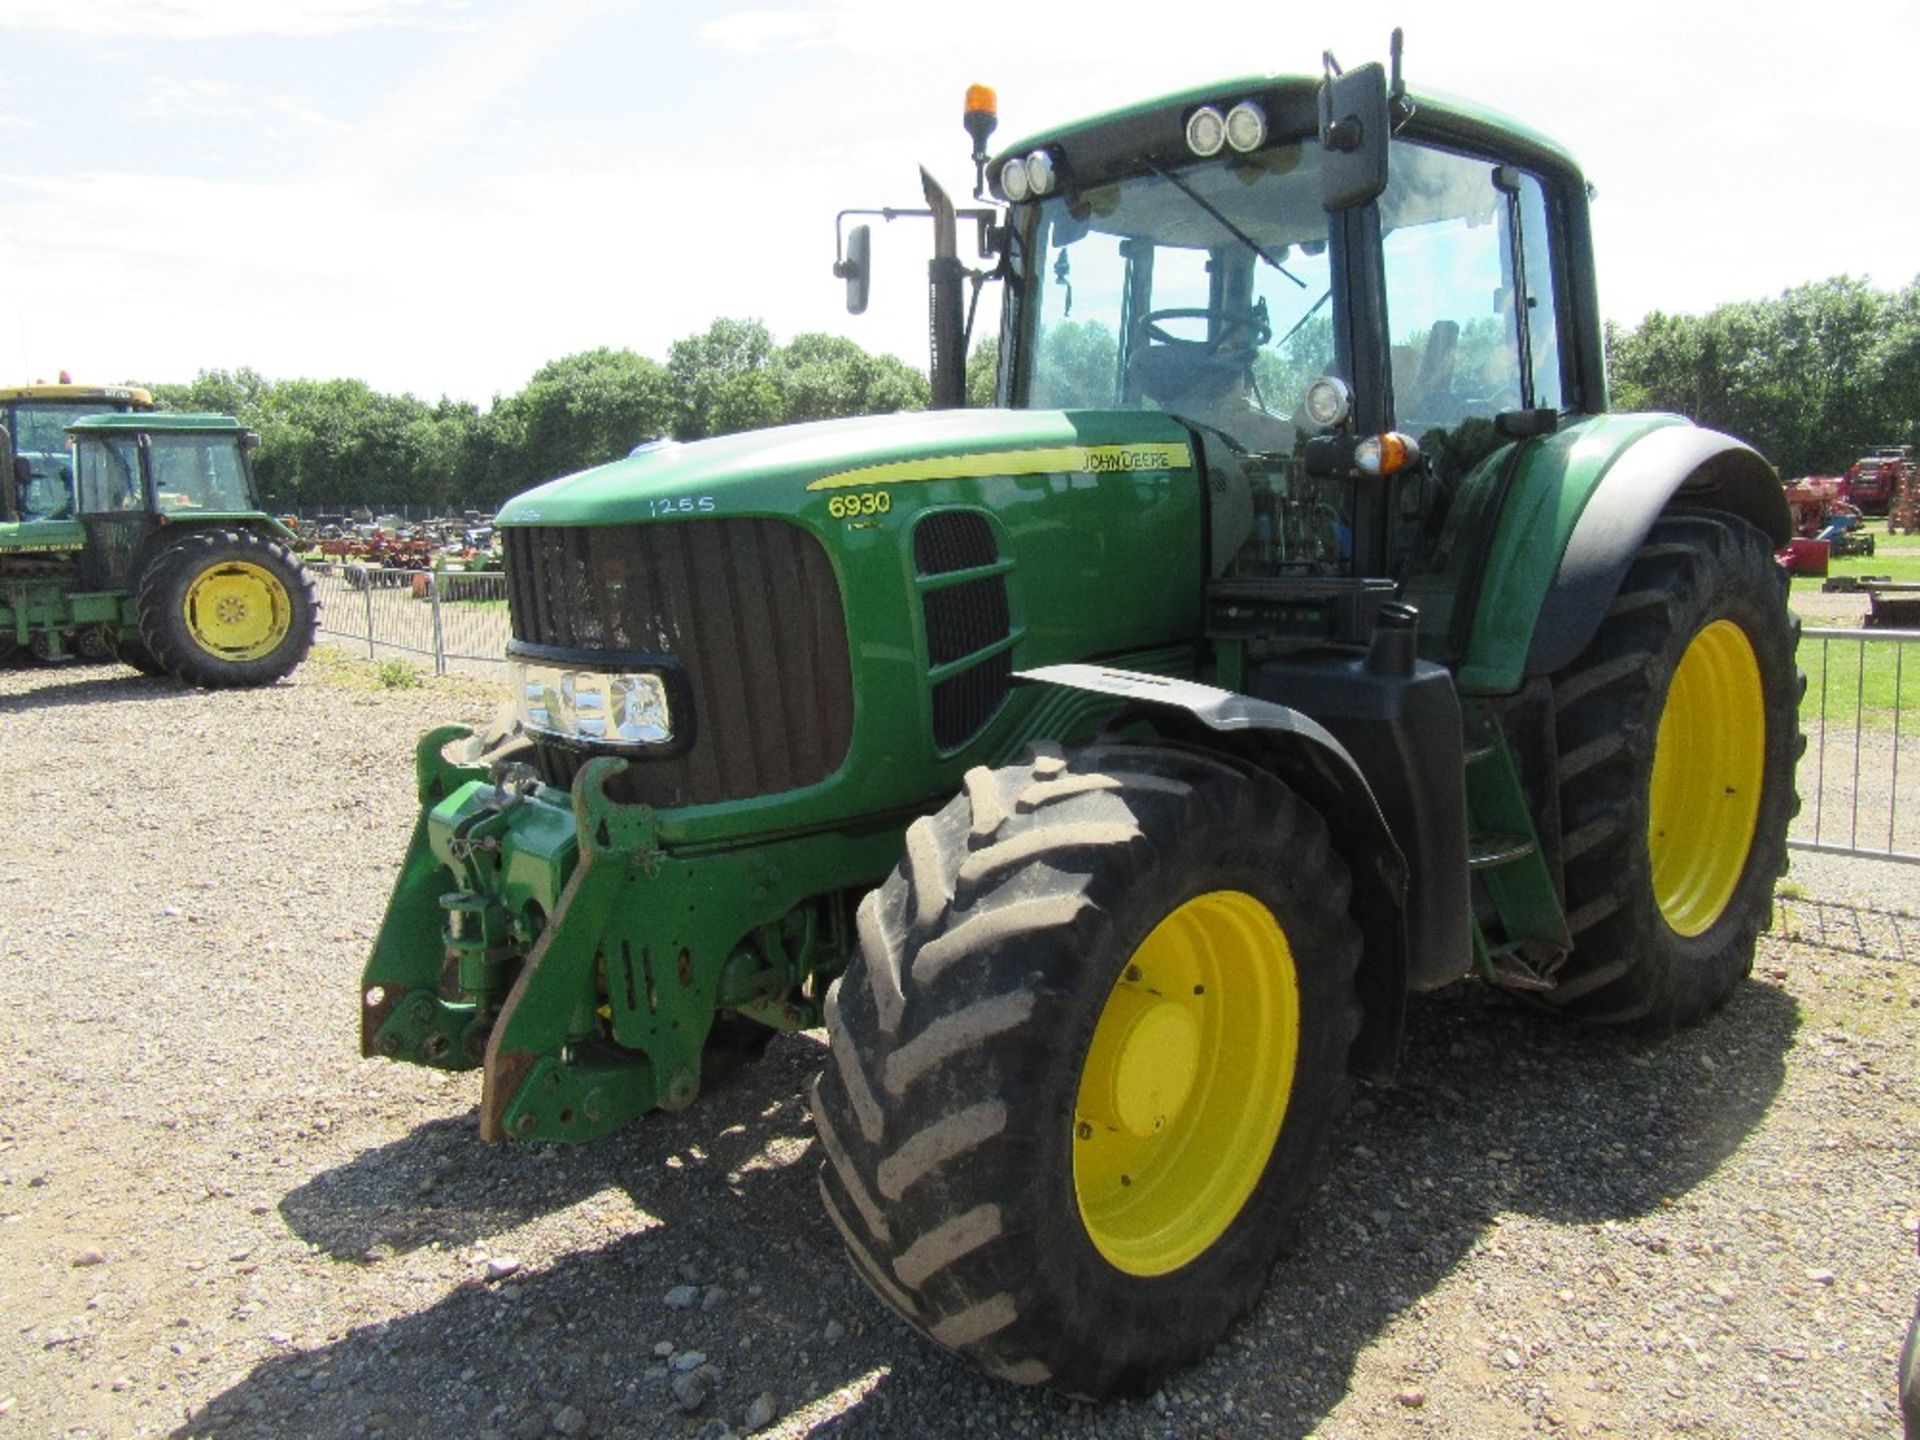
[(1223, 324)]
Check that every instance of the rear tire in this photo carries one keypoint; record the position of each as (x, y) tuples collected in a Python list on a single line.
[(1678, 733), (1085, 1066), (224, 608), (130, 650)]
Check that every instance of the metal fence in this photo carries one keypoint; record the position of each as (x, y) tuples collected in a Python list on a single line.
[(1858, 794), (457, 621), (1857, 779)]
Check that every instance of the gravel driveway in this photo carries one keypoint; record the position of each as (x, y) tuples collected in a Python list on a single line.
[(216, 1219)]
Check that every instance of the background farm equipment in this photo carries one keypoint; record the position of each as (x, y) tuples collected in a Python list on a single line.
[(1105, 768), (160, 556), (1823, 514), (1874, 481)]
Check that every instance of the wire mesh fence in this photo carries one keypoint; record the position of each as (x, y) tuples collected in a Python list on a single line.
[(453, 620), (1857, 780), (1858, 777)]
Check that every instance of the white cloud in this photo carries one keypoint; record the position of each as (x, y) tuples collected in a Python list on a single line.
[(212, 19), (756, 31)]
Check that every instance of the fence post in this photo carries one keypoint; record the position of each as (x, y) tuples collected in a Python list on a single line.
[(367, 592), (439, 639)]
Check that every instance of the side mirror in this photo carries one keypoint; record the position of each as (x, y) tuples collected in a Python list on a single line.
[(1353, 136), (249, 440), (857, 268)]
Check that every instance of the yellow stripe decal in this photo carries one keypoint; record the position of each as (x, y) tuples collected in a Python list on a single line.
[(1051, 460)]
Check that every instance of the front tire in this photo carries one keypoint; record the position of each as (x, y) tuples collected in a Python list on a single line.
[(1679, 734), (1086, 1064), (225, 608)]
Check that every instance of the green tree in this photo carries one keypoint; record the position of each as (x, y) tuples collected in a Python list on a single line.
[(714, 379), (821, 377), (581, 411), (1811, 378), (983, 370)]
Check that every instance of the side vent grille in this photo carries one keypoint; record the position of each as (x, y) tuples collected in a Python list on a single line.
[(950, 540), (966, 617), (965, 621)]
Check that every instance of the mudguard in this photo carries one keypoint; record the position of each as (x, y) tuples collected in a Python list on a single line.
[(1680, 465), (1303, 753), (1570, 512)]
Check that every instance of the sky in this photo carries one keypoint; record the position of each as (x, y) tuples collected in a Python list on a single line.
[(440, 196)]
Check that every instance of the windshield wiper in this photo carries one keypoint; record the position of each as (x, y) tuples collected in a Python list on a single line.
[(1232, 229)]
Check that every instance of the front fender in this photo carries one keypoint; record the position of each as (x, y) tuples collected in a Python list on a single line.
[(1304, 754)]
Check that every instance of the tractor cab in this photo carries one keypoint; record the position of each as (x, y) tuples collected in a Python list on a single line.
[(1346, 353), (134, 474), (38, 484)]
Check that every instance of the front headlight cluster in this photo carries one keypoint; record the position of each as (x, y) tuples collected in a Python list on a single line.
[(605, 709), (1025, 177)]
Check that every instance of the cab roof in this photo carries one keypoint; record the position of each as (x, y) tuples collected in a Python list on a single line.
[(1157, 127), (158, 421), (125, 394)]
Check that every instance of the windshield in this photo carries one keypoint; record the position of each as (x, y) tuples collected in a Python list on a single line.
[(1203, 291), (40, 426), (199, 472)]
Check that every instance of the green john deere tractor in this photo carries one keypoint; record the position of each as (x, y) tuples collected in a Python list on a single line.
[(149, 544), (1104, 769)]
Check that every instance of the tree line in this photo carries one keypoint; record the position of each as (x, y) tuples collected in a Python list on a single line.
[(332, 444), (1812, 378)]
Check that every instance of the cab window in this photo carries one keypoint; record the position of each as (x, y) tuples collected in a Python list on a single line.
[(109, 476), (198, 472)]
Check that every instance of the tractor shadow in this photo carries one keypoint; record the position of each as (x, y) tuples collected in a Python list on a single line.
[(90, 685), (1499, 1110)]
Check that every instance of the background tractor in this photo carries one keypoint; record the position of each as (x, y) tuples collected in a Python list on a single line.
[(36, 418), (1105, 768), (154, 549)]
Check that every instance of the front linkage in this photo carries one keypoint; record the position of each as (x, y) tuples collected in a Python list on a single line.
[(582, 965)]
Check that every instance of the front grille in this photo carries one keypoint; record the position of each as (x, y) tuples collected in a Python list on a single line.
[(749, 607)]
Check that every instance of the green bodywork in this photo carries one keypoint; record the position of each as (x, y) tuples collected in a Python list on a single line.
[(41, 560), (642, 925), (582, 949)]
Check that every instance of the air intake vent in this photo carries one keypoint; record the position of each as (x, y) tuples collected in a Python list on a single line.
[(750, 607), (964, 703), (950, 540), (964, 618)]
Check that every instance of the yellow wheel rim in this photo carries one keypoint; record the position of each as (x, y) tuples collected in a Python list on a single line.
[(1708, 762), (237, 610), (1186, 1082)]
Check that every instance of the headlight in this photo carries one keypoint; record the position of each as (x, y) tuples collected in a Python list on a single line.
[(1013, 180), (1328, 401), (1040, 172), (614, 710), (1246, 126), (1206, 131)]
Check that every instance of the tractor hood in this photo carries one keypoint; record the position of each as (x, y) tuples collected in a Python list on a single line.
[(771, 471)]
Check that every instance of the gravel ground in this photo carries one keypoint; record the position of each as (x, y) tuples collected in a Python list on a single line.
[(215, 1219)]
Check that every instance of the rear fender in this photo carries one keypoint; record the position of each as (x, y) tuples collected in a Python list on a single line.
[(1300, 751), (1572, 511), (1678, 466)]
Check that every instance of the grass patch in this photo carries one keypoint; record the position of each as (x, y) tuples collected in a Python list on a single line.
[(1849, 678), (330, 665)]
